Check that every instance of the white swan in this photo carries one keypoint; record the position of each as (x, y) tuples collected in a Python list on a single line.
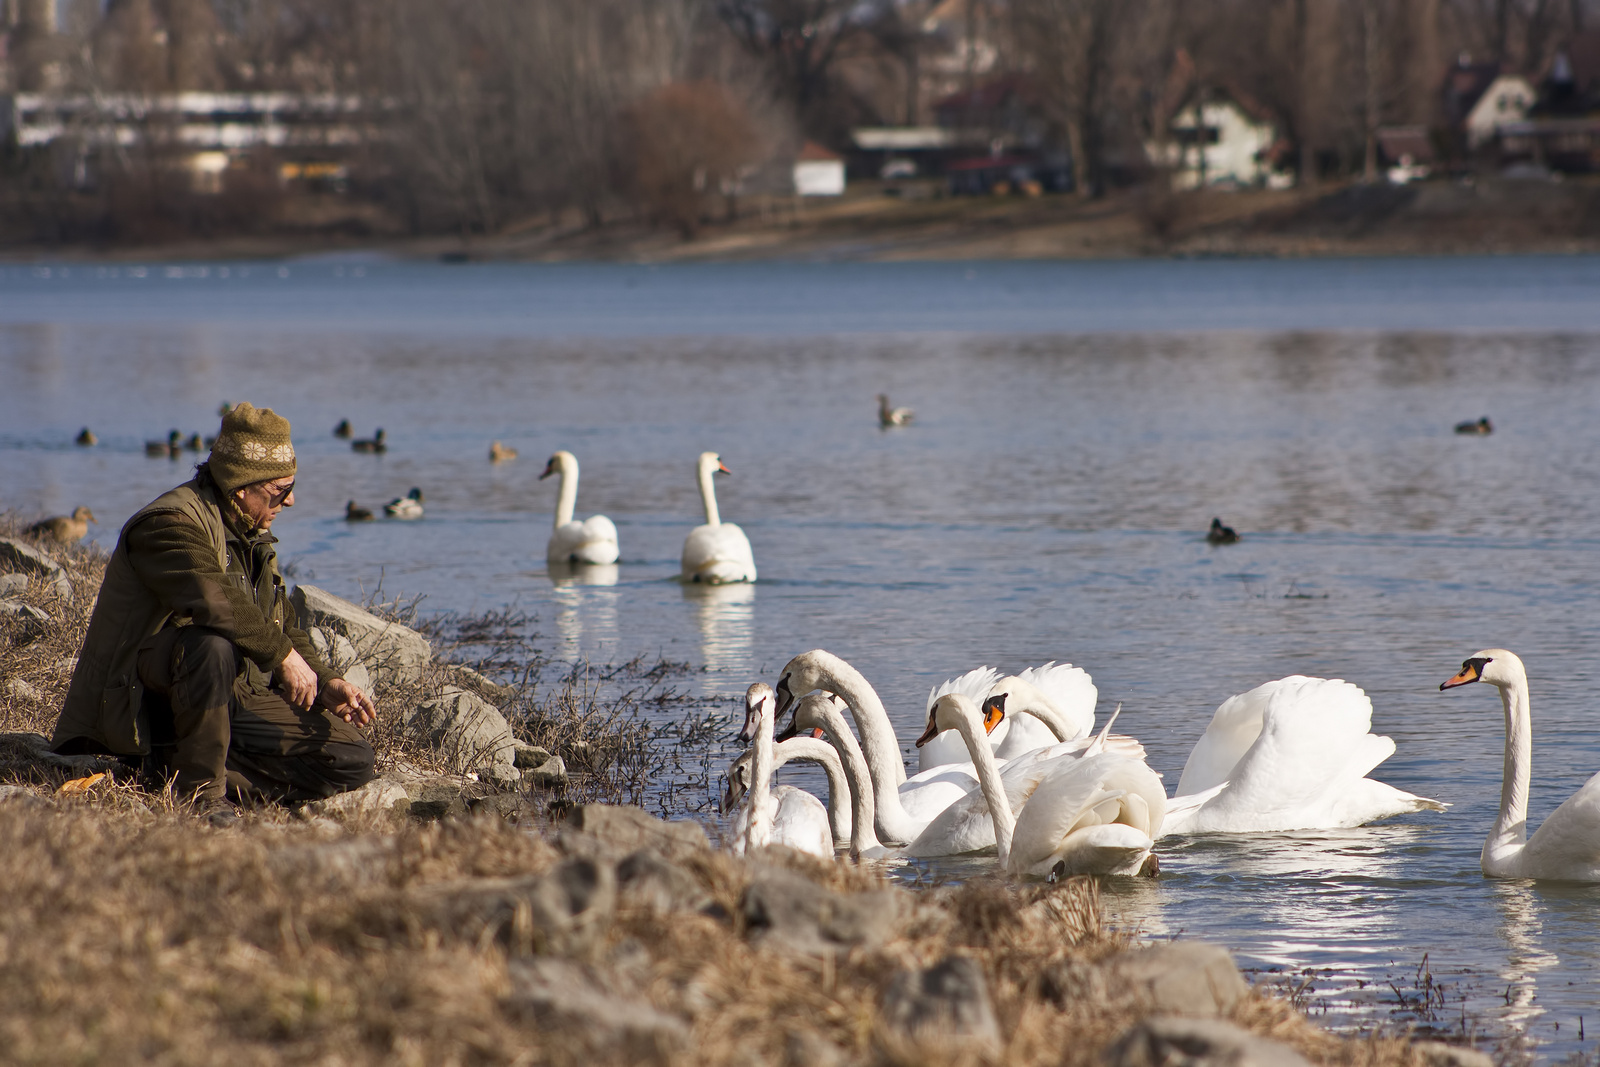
[(782, 816), (806, 748), (1566, 847), (1084, 812), (592, 541), (1294, 755), (718, 552), (1043, 705)]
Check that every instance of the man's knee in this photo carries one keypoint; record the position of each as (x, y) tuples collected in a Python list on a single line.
[(352, 763), (202, 652)]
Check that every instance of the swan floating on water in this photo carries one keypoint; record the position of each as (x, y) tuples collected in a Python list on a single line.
[(1566, 847), (1293, 755), (591, 541), (805, 748), (782, 816), (718, 552)]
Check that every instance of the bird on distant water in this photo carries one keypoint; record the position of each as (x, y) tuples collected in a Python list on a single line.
[(499, 453), (86, 437), (375, 443), (224, 408), (64, 530), (1220, 534), (888, 416), (355, 513), (405, 507), (1482, 426), (171, 448), (342, 431), (195, 443)]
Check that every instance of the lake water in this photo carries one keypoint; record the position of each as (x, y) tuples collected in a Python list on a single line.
[(1078, 425)]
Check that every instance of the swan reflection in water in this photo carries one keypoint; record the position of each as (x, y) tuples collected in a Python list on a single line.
[(1522, 928), (725, 615), (586, 609)]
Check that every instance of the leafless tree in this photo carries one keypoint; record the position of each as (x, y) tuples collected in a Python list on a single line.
[(800, 41)]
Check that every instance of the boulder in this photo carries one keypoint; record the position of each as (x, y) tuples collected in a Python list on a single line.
[(619, 829), (530, 756), (945, 1001), (471, 680), (645, 880), (19, 557), (390, 651), (551, 774), (467, 730), (501, 775), (564, 911), (378, 795), (1179, 978), (13, 584), (1162, 1040), (434, 798), (791, 911), (564, 995), (337, 652)]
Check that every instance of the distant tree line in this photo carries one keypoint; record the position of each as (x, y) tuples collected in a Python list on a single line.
[(493, 112)]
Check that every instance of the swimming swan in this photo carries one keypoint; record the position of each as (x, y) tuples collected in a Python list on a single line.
[(718, 552), (1046, 704), (1566, 847), (1084, 812), (801, 749), (1294, 755), (592, 541), (782, 816)]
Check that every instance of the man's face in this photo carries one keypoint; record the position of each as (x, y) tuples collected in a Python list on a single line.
[(263, 500)]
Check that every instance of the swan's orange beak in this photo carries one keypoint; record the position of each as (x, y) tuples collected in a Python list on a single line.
[(549, 469), (1469, 673), (994, 709), (722, 468), (931, 732)]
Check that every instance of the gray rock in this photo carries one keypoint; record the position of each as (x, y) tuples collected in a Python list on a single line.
[(435, 798), (13, 584), (619, 829), (645, 880), (467, 730), (561, 994), (472, 681), (530, 756), (390, 651), (502, 775), (1179, 978), (33, 620), (378, 795), (551, 774), (22, 558), (793, 912), (338, 653), (948, 1000), (1171, 1041), (1439, 1054), (18, 689), (564, 911)]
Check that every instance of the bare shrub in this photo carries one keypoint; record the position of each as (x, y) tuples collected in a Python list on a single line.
[(690, 141)]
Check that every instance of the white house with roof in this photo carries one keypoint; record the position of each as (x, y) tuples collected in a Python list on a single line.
[(1217, 141), (818, 172), (1506, 102)]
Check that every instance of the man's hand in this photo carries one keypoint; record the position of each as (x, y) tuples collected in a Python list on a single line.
[(297, 681), (348, 702)]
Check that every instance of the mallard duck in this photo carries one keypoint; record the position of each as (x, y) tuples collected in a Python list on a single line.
[(64, 530), (355, 513), (86, 437), (171, 448), (888, 416), (499, 453), (196, 443), (1220, 534), (342, 431), (1482, 426), (224, 408), (375, 443), (405, 507)]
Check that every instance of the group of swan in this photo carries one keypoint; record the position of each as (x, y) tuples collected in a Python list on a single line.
[(1012, 764), (715, 553)]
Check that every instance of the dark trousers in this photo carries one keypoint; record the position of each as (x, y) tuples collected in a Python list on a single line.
[(214, 735)]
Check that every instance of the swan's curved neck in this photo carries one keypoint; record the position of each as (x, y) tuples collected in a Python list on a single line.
[(763, 808), (877, 733), (840, 792), (1510, 832), (567, 502), (708, 495), (970, 725), (863, 800), (1024, 698)]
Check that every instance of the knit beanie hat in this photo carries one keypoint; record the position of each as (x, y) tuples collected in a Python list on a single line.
[(253, 446)]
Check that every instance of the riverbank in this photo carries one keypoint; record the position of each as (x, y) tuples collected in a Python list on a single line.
[(874, 222)]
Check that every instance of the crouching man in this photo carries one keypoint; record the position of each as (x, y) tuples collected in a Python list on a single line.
[(194, 660)]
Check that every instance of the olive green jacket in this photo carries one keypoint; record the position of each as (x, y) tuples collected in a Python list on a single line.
[(177, 563)]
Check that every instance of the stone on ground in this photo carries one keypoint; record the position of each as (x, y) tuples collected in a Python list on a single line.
[(390, 651), (466, 729), (948, 1000), (617, 830), (791, 911), (18, 557), (378, 795), (1162, 1040)]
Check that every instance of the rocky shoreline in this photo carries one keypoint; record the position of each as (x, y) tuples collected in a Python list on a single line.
[(468, 907)]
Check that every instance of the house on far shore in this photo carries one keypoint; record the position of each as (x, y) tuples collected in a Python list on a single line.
[(818, 172), (1217, 136), (1505, 101)]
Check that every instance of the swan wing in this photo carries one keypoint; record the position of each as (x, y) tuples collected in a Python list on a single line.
[(963, 823), (1078, 794), (1234, 727), (801, 822), (1181, 810), (1069, 689), (973, 685), (591, 541), (718, 554), (1566, 846)]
